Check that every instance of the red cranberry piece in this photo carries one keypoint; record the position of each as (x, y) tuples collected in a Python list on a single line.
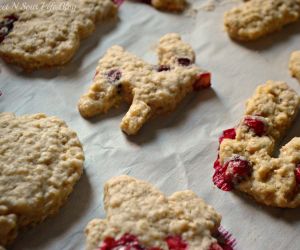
[(12, 17), (184, 61), (114, 75), (228, 134), (163, 68), (231, 173), (219, 177), (203, 81), (297, 173), (237, 169), (6, 25), (176, 243), (126, 242), (256, 125), (108, 244)]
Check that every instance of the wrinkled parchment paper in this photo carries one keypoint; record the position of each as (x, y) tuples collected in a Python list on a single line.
[(174, 152)]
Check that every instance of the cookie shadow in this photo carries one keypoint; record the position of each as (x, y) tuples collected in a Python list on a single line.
[(70, 69), (274, 39), (173, 119), (114, 112), (289, 215), (54, 226)]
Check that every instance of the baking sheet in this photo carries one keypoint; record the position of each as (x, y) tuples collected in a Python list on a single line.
[(174, 152)]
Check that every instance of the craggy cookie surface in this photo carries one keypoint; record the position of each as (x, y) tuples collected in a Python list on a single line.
[(257, 18), (150, 89), (40, 161), (140, 217), (45, 36), (295, 64), (245, 159)]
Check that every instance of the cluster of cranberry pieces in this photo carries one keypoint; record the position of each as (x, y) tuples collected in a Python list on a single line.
[(236, 169), (131, 242), (203, 79)]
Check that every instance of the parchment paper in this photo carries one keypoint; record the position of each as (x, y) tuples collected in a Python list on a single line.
[(174, 152)]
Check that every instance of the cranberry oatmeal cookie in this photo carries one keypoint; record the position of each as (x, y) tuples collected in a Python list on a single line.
[(257, 18), (41, 159), (167, 5), (245, 159), (151, 90), (295, 65), (139, 216), (48, 37)]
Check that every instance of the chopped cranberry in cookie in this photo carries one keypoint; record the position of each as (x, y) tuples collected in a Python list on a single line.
[(184, 61), (204, 81), (163, 68), (228, 134), (176, 243), (219, 177), (114, 75), (126, 242), (231, 173), (256, 124), (237, 169), (6, 25)]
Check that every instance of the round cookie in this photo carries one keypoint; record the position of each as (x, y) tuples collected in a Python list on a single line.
[(257, 18), (150, 90), (49, 34), (41, 159), (139, 216), (245, 161)]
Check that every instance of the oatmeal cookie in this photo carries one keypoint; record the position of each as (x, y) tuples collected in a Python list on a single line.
[(150, 90), (257, 18), (139, 216), (245, 159), (41, 159), (45, 37), (295, 64)]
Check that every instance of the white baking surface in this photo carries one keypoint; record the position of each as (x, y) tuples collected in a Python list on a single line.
[(174, 152)]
